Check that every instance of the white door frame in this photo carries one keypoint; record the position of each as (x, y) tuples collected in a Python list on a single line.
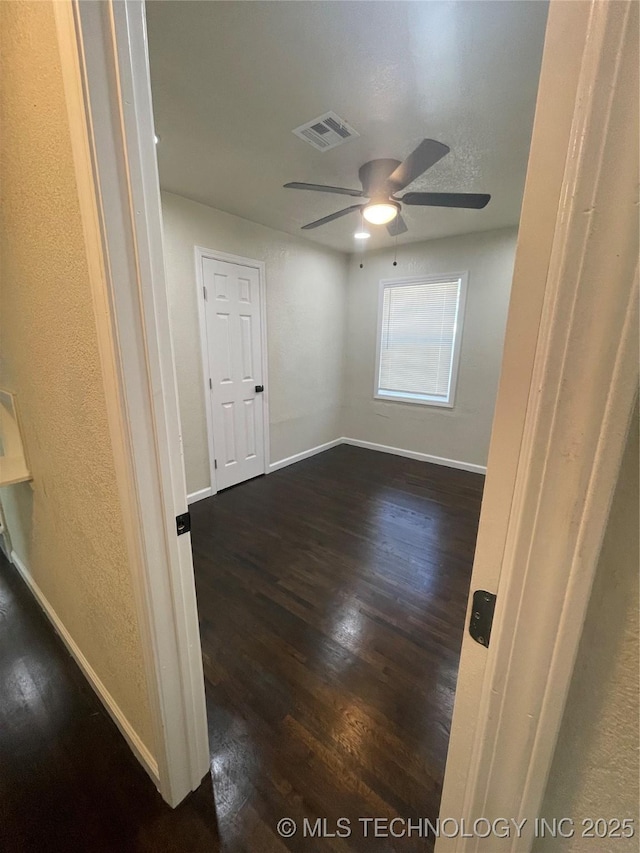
[(107, 90), (567, 447), (564, 407), (215, 255)]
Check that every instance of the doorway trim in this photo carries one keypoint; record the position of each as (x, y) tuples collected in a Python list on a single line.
[(215, 255), (105, 71), (543, 523), (554, 415)]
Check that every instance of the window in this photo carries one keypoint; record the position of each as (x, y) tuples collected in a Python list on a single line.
[(419, 332)]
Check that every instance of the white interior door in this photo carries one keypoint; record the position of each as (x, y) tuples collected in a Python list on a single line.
[(234, 348)]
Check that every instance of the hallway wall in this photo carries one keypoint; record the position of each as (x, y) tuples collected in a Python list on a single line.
[(66, 526)]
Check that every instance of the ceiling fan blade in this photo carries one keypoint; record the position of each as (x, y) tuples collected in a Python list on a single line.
[(331, 217), (397, 226), (320, 188), (424, 157), (475, 201)]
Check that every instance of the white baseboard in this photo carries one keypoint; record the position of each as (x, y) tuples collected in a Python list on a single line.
[(298, 457), (382, 448), (414, 454), (130, 735), (199, 495)]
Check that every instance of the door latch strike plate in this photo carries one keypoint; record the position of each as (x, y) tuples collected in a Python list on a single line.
[(484, 604), (183, 523)]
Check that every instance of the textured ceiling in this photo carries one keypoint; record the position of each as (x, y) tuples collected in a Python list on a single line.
[(232, 79)]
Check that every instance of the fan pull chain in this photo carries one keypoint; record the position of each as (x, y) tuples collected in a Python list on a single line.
[(395, 252)]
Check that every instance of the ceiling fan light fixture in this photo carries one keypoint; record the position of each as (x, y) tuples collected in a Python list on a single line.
[(381, 212), (362, 234), (383, 179)]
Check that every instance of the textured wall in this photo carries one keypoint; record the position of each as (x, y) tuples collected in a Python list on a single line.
[(305, 320), (462, 432), (596, 763), (66, 526), (321, 317)]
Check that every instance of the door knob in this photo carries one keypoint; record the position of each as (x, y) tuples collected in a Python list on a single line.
[(259, 389)]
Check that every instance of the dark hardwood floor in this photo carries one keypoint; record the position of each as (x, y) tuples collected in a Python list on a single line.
[(68, 781), (332, 597)]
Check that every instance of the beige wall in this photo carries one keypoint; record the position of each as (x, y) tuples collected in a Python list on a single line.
[(596, 762), (461, 433), (305, 288), (321, 317), (66, 526)]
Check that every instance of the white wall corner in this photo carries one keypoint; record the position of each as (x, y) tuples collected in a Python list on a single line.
[(369, 445)]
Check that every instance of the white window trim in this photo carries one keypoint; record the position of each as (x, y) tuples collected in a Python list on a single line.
[(419, 399)]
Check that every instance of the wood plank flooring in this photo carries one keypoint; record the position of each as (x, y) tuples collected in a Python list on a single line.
[(68, 781), (332, 598)]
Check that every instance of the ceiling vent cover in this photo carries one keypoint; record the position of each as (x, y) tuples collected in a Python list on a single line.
[(325, 132)]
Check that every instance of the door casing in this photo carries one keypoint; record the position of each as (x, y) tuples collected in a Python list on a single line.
[(118, 29), (105, 70), (566, 396)]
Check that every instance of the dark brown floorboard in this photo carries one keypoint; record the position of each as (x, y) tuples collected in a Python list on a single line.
[(68, 781), (332, 597)]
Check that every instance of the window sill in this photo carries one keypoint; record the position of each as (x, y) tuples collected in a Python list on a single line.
[(414, 399)]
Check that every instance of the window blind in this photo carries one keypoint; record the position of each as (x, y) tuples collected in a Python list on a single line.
[(417, 338)]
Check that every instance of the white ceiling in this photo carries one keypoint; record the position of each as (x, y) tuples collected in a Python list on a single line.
[(232, 79)]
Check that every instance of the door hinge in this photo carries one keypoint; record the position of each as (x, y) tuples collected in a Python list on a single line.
[(183, 523), (210, 384), (215, 463), (484, 604), (204, 291)]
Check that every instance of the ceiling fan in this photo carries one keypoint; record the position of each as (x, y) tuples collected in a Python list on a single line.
[(382, 179)]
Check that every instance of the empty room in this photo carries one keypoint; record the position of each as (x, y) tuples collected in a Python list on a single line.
[(319, 426), (341, 187)]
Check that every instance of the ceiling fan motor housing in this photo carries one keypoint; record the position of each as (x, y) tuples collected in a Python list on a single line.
[(374, 174)]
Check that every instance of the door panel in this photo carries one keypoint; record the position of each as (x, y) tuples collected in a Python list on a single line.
[(234, 347)]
